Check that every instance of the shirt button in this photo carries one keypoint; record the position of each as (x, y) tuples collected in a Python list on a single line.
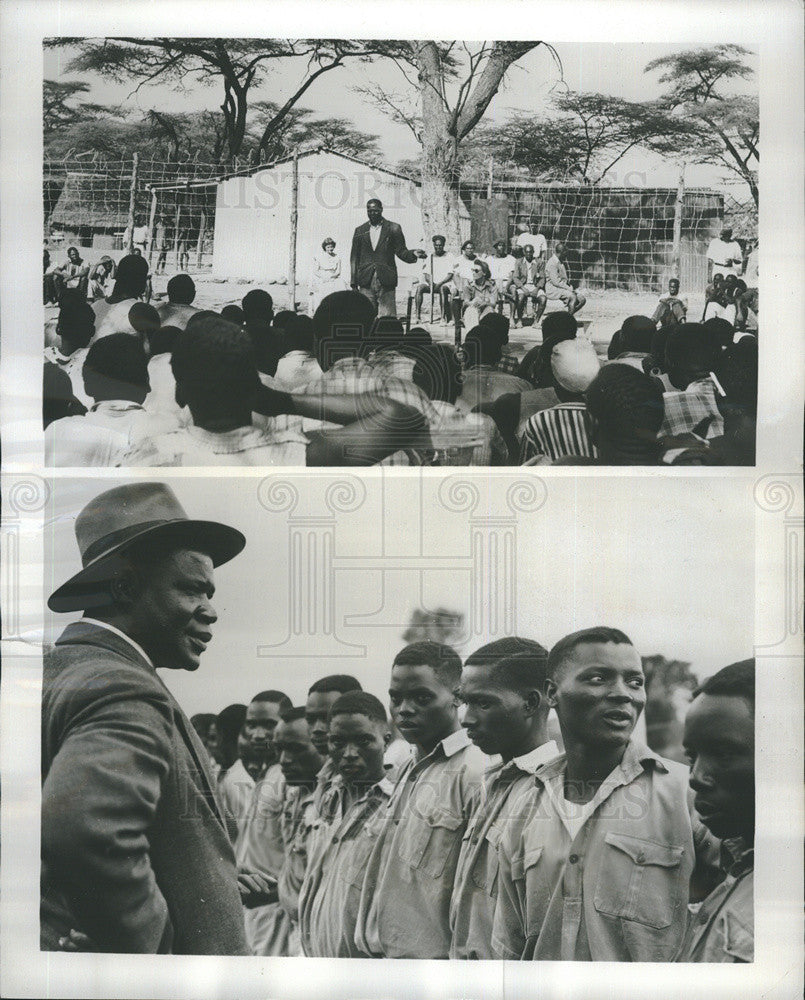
[(573, 859), (641, 858)]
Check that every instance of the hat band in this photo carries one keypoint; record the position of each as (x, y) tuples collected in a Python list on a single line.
[(115, 538)]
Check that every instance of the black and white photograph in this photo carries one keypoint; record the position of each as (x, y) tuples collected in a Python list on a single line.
[(348, 252), (401, 537), (442, 757)]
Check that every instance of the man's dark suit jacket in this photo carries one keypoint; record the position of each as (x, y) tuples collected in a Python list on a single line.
[(364, 261), (135, 853)]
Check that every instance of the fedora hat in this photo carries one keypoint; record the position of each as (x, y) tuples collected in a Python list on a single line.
[(112, 522)]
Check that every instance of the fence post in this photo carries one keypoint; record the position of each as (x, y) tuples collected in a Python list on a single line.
[(151, 220), (176, 219), (201, 227), (132, 201), (294, 228), (678, 207)]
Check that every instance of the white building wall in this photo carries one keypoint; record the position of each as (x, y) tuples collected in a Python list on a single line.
[(252, 216)]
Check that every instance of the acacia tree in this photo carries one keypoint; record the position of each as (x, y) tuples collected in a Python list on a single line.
[(238, 64), (454, 84), (729, 124)]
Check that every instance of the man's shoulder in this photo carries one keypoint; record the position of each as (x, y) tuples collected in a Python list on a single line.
[(362, 228)]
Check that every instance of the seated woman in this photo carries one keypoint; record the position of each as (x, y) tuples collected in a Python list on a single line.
[(326, 274), (480, 295)]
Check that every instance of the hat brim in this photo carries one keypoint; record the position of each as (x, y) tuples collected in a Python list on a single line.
[(85, 590)]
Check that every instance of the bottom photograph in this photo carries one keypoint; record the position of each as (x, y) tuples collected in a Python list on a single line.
[(383, 717)]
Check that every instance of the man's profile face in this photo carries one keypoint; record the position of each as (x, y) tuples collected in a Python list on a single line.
[(317, 708), (422, 708), (598, 693), (495, 717), (262, 718), (374, 210), (719, 742), (356, 745), (174, 609), (298, 758)]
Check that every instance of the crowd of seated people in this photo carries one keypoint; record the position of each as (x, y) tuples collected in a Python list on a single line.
[(178, 385), (450, 818)]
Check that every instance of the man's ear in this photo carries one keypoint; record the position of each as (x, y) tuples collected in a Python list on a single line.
[(550, 692), (386, 737), (533, 699), (125, 587)]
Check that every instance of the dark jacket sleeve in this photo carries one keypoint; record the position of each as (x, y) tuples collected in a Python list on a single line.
[(354, 257), (99, 800), (399, 247)]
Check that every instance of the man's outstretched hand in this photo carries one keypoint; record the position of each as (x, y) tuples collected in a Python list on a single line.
[(256, 888)]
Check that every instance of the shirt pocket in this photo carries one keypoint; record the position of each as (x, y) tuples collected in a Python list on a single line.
[(485, 870), (639, 880), (529, 876), (426, 842), (355, 869)]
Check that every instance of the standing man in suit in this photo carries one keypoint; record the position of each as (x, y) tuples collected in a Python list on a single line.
[(135, 851), (375, 244)]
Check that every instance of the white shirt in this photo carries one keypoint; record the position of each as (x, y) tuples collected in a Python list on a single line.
[(442, 264), (501, 268), (162, 397), (296, 368), (374, 234), (121, 635), (536, 240), (719, 252), (102, 436)]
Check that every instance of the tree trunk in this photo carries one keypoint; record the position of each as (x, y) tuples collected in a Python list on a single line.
[(678, 207), (234, 108), (439, 151)]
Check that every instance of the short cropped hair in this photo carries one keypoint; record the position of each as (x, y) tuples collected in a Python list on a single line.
[(119, 359), (359, 703), (181, 290), (257, 305), (230, 721), (738, 679), (293, 714), (276, 698), (76, 323), (335, 682), (599, 634), (522, 672), (443, 660), (161, 341)]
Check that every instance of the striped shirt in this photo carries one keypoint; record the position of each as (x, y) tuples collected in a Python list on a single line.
[(556, 432)]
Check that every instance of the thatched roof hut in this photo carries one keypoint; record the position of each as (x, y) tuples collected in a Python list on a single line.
[(92, 200)]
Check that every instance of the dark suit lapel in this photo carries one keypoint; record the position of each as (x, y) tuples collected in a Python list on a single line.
[(198, 753), (384, 233)]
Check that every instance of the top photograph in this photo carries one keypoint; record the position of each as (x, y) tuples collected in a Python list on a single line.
[(284, 252)]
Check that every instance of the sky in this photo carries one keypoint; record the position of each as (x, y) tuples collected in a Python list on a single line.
[(588, 67), (652, 556)]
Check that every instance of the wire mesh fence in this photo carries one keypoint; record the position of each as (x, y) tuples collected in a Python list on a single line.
[(630, 237)]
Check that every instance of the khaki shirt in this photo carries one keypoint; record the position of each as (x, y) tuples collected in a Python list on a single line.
[(297, 824), (472, 907), (722, 928), (616, 889), (405, 899), (331, 889)]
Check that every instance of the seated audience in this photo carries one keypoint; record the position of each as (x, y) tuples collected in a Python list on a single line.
[(100, 278), (625, 411), (437, 272), (216, 379), (162, 397), (116, 378), (74, 274), (536, 364), (233, 314), (633, 342), (179, 308), (499, 325), (58, 399)]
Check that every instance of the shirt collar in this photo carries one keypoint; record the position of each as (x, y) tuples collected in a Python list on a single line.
[(121, 635), (636, 758), (529, 762), (454, 742)]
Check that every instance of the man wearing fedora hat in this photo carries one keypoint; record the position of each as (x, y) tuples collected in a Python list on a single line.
[(135, 851)]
